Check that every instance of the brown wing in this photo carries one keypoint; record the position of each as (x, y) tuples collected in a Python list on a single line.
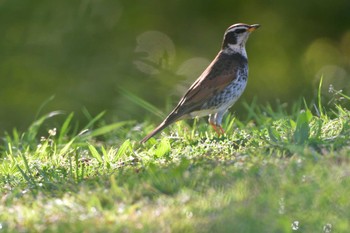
[(220, 73)]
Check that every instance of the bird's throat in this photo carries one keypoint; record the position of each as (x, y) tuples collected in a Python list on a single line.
[(230, 49)]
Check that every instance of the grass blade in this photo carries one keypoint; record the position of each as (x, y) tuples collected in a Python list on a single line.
[(319, 97), (142, 103), (95, 153), (104, 130), (123, 148), (65, 128)]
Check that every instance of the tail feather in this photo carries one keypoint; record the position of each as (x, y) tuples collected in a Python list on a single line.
[(171, 118), (160, 127)]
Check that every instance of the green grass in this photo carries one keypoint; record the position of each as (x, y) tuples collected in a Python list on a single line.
[(272, 172)]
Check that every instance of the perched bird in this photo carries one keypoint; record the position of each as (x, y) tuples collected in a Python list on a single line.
[(219, 86)]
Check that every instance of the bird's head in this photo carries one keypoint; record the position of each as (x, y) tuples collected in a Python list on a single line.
[(236, 36)]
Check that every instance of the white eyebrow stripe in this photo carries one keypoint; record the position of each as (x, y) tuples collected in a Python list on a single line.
[(236, 28)]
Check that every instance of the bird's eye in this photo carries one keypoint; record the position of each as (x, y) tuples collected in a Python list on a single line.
[(238, 31)]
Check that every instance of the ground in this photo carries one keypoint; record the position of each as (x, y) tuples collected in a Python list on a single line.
[(276, 171)]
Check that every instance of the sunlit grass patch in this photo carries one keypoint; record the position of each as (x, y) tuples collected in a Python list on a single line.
[(272, 172)]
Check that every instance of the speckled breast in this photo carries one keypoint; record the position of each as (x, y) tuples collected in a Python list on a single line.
[(227, 97)]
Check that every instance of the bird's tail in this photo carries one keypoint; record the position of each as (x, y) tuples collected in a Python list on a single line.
[(159, 128)]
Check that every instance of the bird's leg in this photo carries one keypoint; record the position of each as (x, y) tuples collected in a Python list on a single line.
[(218, 130), (215, 122), (212, 120), (222, 131)]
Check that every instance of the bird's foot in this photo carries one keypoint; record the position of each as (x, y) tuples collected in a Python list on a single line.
[(218, 129)]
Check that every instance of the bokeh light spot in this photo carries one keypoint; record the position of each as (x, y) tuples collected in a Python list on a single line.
[(156, 52)]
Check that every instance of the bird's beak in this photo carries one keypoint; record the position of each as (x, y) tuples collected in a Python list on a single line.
[(253, 27)]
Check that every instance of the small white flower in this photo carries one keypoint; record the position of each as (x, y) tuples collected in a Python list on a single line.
[(295, 225), (327, 228), (52, 132)]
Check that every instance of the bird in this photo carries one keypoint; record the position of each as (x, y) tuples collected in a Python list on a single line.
[(219, 86)]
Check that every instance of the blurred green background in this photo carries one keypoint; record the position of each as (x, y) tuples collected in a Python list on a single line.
[(84, 52)]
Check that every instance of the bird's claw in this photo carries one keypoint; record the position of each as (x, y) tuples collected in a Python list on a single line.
[(218, 129)]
